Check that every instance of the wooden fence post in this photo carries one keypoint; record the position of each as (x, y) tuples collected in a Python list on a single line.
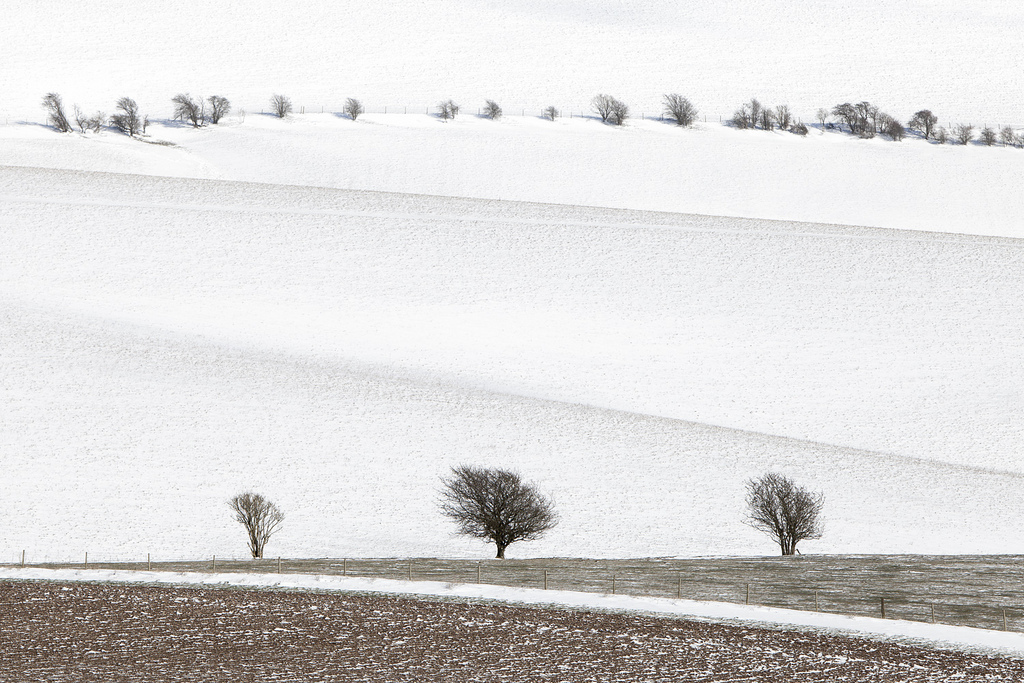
[(748, 595), (546, 587), (22, 558), (478, 572), (613, 584), (679, 586), (149, 562), (883, 607), (815, 601), (344, 567), (933, 614), (278, 564), (87, 560), (1004, 619), (410, 570), (214, 563)]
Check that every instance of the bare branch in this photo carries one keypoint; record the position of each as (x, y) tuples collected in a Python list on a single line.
[(281, 106), (219, 108), (261, 519), (55, 115), (784, 511), (680, 109), (496, 505), (354, 108)]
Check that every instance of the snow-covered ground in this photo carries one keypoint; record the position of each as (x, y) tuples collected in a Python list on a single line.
[(909, 632)]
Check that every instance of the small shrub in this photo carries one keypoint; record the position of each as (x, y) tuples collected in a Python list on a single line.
[(281, 106), (941, 135), (354, 108), (987, 136), (963, 134), (680, 109), (127, 119), (923, 122), (187, 109), (1008, 137), (610, 109), (799, 128), (448, 109), (492, 110), (822, 117), (551, 113), (783, 116)]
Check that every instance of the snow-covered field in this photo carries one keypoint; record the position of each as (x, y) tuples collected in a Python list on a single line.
[(334, 312)]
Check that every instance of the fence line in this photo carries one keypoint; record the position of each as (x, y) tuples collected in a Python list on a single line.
[(880, 600)]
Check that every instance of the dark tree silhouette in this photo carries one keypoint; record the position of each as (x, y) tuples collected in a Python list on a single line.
[(448, 110), (281, 106), (55, 114), (987, 136), (261, 519), (492, 110), (496, 505), (354, 108), (551, 113), (784, 511), (127, 119), (923, 122), (188, 109), (219, 108), (610, 109), (680, 109), (963, 133)]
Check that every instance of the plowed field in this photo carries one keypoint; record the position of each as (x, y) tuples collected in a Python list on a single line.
[(53, 631)]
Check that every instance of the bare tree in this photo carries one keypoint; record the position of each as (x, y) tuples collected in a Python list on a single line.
[(891, 127), (610, 109), (448, 109), (127, 120), (281, 106), (798, 128), (620, 112), (923, 122), (354, 108), (496, 505), (987, 136), (941, 135), (261, 519), (188, 109), (756, 109), (55, 114), (742, 119), (492, 110), (680, 109), (783, 116), (219, 108), (784, 511), (81, 120), (963, 133), (96, 122), (551, 113), (767, 120), (1007, 136), (822, 115)]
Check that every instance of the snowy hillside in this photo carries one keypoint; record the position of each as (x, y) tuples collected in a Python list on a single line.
[(334, 312), (170, 342)]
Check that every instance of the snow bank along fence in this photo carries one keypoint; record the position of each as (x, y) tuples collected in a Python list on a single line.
[(979, 591)]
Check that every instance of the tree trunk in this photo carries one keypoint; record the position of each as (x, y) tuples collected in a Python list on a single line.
[(501, 552)]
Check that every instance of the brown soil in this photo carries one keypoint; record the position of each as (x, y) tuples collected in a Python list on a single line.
[(51, 631)]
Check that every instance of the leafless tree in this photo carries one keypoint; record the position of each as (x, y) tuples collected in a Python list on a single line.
[(354, 108), (280, 106), (987, 136), (219, 108), (822, 115), (756, 110), (923, 122), (448, 109), (81, 120), (55, 114), (1008, 137), (188, 109), (742, 119), (127, 119), (767, 119), (610, 109), (963, 133), (783, 116), (784, 511), (941, 135), (96, 122), (551, 113), (798, 128), (496, 505), (680, 109), (261, 519), (891, 127), (860, 118), (491, 110)]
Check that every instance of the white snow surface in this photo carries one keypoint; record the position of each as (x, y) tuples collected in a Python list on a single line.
[(906, 632), (167, 343)]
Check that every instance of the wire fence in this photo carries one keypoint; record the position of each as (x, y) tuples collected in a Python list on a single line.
[(979, 591)]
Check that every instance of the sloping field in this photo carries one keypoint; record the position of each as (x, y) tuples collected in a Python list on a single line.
[(168, 343), (115, 632)]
